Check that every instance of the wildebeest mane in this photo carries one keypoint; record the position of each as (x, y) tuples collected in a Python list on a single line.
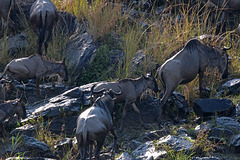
[(211, 52)]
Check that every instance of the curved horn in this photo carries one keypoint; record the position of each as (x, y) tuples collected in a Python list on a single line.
[(120, 92), (227, 48), (96, 92)]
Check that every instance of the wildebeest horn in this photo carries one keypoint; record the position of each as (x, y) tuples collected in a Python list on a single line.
[(227, 48), (119, 93), (97, 92)]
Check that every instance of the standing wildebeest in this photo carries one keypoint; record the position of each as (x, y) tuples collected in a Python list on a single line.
[(43, 16), (131, 90), (34, 67), (183, 67), (9, 109), (5, 6), (94, 124)]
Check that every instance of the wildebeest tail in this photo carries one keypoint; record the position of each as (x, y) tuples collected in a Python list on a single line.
[(41, 37)]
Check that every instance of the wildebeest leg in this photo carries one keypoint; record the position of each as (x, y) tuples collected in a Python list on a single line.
[(200, 83), (4, 133), (138, 112), (98, 148), (90, 149), (115, 139), (124, 114), (46, 46), (168, 91)]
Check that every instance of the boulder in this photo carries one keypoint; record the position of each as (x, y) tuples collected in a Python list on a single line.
[(147, 151), (177, 143), (235, 142), (15, 44), (228, 123), (204, 127), (36, 147), (154, 135), (79, 51), (208, 107), (142, 59), (221, 132), (125, 156), (230, 87)]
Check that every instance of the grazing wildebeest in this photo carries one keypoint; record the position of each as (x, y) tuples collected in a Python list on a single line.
[(183, 67), (43, 17), (34, 67), (94, 124), (9, 109), (5, 6), (131, 90)]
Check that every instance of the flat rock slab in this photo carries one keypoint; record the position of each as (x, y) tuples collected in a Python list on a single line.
[(208, 107)]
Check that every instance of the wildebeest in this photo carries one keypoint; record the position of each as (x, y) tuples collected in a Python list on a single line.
[(131, 90), (34, 67), (9, 109), (5, 6), (183, 67), (43, 17), (94, 124)]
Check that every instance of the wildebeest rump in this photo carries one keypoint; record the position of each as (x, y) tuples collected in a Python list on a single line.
[(5, 6), (193, 59), (94, 124), (34, 67), (9, 109), (131, 90), (43, 17)]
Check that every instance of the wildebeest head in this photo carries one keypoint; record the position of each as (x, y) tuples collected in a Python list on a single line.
[(224, 62), (151, 82)]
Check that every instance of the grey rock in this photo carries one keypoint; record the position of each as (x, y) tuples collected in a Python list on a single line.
[(230, 87), (208, 107), (204, 127), (80, 53), (15, 44), (67, 24), (35, 146), (179, 101), (63, 144), (134, 144), (238, 110), (147, 151), (221, 132), (228, 123), (142, 59), (177, 143), (182, 130), (154, 135), (235, 141), (26, 129), (125, 156)]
